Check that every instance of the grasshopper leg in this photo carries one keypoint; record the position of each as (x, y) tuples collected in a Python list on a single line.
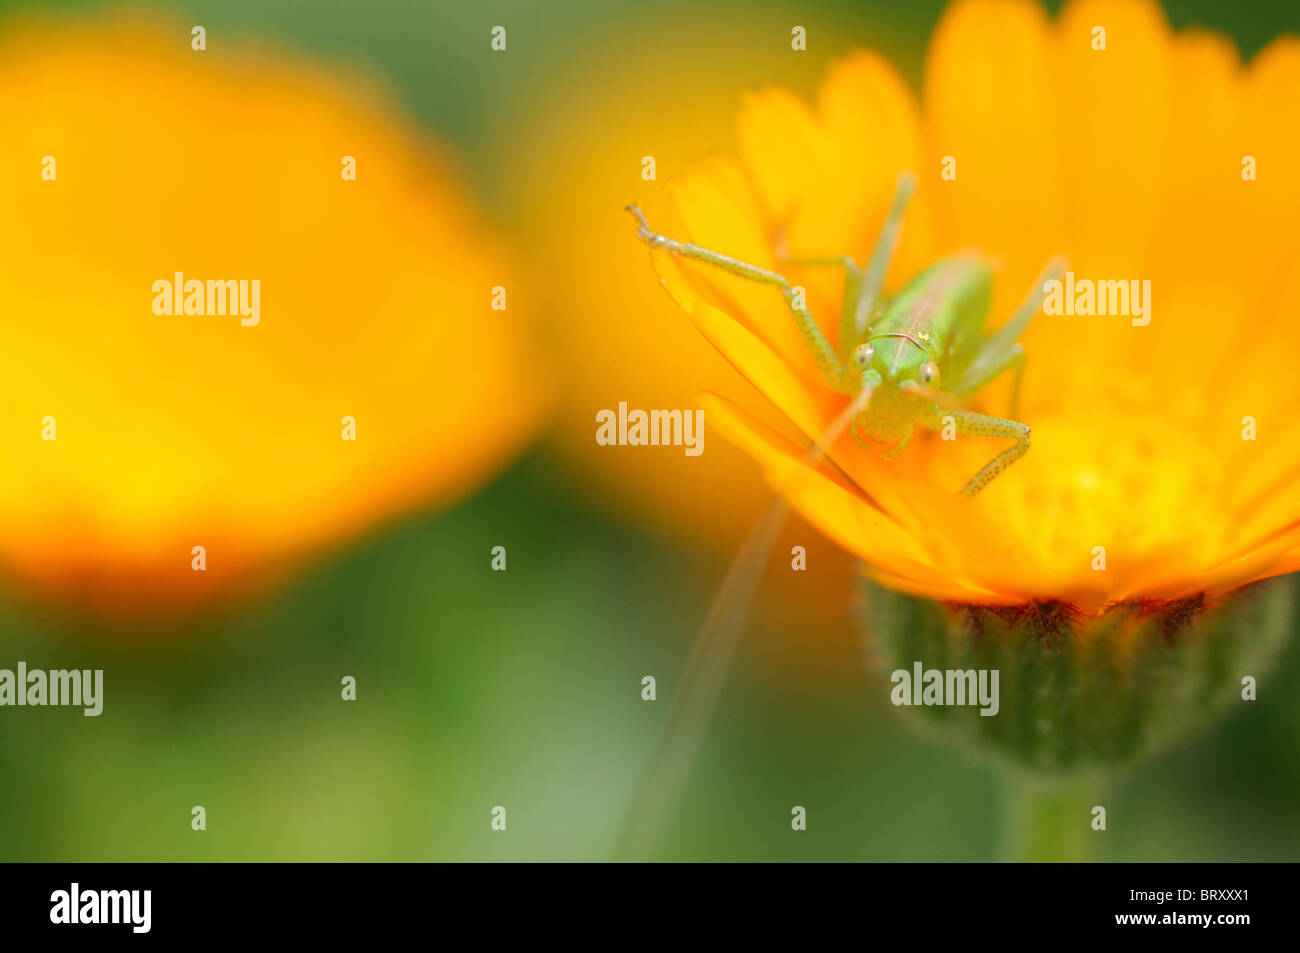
[(856, 431), (1017, 361), (897, 448), (838, 261), (853, 324), (848, 301), (971, 424), (837, 374), (1002, 349)]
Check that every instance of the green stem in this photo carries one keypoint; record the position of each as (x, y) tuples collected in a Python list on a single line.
[(1051, 819)]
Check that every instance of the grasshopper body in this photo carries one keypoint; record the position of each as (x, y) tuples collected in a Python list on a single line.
[(910, 343), (913, 353)]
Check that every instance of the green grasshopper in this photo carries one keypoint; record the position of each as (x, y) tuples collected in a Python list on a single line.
[(895, 354), (892, 359)]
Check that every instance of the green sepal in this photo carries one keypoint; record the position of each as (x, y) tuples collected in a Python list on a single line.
[(1081, 692)]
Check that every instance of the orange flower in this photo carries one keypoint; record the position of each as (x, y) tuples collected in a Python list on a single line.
[(1129, 161), (178, 431)]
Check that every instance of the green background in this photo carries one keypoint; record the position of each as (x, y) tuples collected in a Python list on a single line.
[(523, 688)]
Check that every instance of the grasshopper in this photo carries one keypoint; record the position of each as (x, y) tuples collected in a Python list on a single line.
[(896, 354), (894, 357)]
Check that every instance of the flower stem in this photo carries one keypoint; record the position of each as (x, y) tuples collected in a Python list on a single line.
[(1051, 819)]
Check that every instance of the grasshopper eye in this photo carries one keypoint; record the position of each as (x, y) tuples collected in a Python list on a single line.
[(929, 374), (863, 355)]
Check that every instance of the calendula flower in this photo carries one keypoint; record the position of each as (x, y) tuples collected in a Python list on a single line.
[(1162, 475), (1172, 446), (163, 447)]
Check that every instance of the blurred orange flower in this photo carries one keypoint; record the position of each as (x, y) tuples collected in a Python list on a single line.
[(129, 157), (1129, 160)]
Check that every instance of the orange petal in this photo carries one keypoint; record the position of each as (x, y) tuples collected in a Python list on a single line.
[(998, 125), (827, 501), (784, 149), (1115, 111)]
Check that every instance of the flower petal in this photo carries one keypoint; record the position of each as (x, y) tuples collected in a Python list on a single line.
[(825, 499)]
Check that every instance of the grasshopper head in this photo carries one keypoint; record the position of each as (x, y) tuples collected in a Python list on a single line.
[(893, 367), (896, 360)]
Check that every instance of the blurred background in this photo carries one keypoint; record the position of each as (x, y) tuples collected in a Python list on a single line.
[(523, 688)]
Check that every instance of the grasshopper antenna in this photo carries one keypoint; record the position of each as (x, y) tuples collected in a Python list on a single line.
[(653, 804)]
